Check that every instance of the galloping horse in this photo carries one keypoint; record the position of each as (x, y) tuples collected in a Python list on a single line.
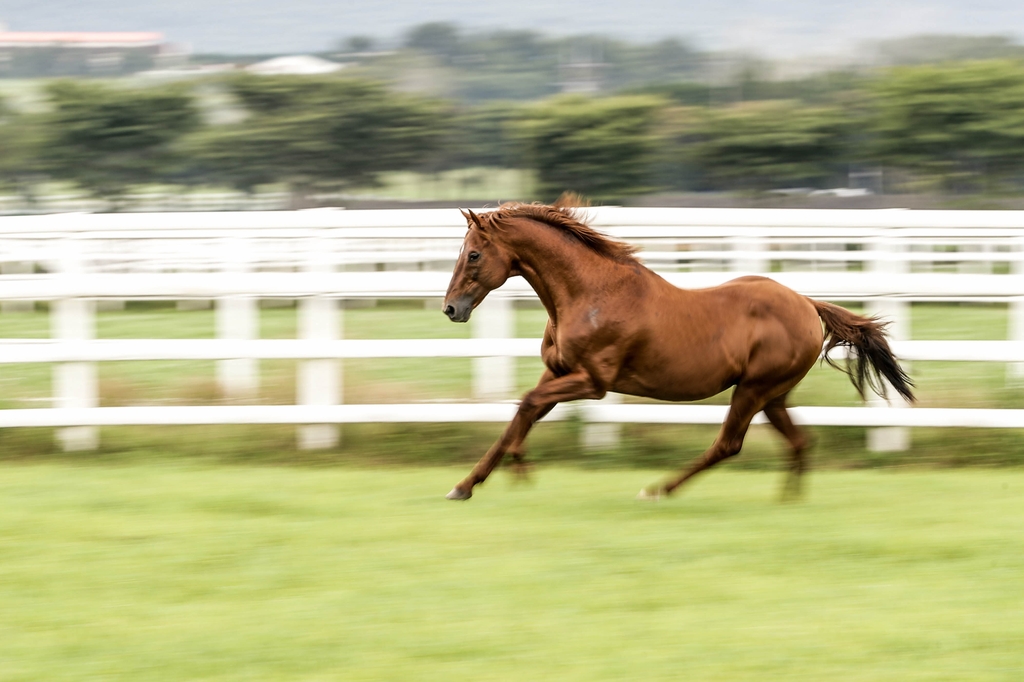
[(614, 325)]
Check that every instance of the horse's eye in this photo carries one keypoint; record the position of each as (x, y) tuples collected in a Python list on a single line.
[(474, 256)]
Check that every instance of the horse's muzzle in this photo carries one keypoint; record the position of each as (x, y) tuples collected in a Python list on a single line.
[(460, 310)]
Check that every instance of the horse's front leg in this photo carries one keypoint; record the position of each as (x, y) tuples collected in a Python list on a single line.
[(534, 405), (520, 466)]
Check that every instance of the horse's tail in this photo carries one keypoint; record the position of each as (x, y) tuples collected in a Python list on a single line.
[(869, 358)]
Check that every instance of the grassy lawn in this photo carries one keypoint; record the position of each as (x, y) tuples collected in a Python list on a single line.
[(175, 571)]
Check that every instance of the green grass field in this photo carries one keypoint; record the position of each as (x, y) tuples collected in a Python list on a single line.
[(192, 571)]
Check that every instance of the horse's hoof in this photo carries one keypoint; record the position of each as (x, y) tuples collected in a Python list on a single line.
[(457, 494), (648, 496), (521, 473)]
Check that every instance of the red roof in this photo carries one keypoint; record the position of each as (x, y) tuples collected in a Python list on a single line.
[(78, 37)]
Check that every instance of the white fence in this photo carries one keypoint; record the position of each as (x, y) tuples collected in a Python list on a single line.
[(885, 258)]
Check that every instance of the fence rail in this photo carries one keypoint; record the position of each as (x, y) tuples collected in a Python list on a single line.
[(26, 351), (856, 286), (884, 258)]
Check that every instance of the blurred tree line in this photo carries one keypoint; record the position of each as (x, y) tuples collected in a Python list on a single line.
[(955, 127), (518, 65)]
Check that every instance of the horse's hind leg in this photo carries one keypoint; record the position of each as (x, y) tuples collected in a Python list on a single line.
[(746, 402), (776, 412)]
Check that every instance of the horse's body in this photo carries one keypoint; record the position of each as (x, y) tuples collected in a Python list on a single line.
[(615, 325)]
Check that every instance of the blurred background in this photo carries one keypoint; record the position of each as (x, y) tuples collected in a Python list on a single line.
[(120, 106)]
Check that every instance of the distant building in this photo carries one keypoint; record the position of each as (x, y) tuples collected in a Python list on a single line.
[(33, 54), (295, 65)]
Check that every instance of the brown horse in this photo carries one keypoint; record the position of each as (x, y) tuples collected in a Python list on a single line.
[(615, 325)]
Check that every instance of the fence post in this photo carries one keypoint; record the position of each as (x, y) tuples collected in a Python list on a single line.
[(16, 268), (319, 381), (752, 263), (493, 377), (897, 313), (1015, 372), (975, 266), (602, 436), (74, 383), (237, 318)]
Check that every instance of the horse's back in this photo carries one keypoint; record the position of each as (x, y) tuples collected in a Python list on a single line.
[(738, 302), (696, 343), (763, 314), (764, 296)]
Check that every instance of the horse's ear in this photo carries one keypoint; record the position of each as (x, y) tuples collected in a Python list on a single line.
[(474, 219)]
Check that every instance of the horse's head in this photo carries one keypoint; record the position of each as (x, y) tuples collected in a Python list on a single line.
[(483, 266)]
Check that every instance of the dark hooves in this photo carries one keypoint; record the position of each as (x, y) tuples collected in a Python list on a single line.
[(457, 494)]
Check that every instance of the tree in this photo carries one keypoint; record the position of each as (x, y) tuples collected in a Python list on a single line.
[(505, 65), (764, 145), (107, 139), (358, 44), (672, 167), (601, 147), (952, 125), (20, 147), (319, 132), (933, 49), (636, 66), (439, 39), (484, 135)]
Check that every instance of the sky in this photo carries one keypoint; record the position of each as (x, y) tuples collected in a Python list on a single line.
[(774, 28)]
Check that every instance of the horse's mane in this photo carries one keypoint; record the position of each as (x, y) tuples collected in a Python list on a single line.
[(569, 221)]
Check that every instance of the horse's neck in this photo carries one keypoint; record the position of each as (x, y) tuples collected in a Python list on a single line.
[(561, 271)]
